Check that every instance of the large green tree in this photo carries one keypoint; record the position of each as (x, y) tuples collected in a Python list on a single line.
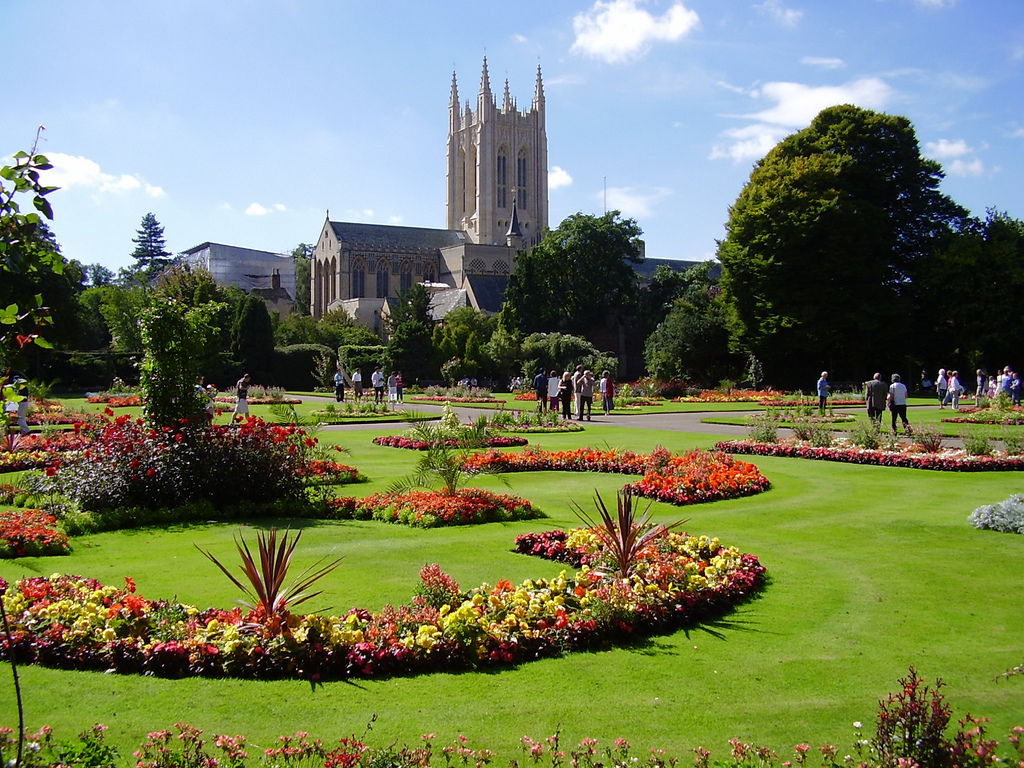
[(971, 292), (150, 254), (252, 339), (303, 255), (692, 342), (825, 242), (410, 347), (571, 279)]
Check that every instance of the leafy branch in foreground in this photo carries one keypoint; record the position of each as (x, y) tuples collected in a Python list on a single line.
[(624, 536), (266, 591)]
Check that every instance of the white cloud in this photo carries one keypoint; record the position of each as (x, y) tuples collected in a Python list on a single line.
[(795, 106), (784, 16), (394, 220), (943, 148), (823, 62), (1017, 134), (633, 203), (520, 38), (71, 171), (619, 31), (961, 167), (937, 3), (255, 209), (558, 178)]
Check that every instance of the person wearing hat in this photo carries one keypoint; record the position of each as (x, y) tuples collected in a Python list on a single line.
[(897, 402)]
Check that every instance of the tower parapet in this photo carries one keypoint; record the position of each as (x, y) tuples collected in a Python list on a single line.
[(497, 165)]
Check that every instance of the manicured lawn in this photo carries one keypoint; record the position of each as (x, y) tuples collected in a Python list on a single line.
[(872, 569)]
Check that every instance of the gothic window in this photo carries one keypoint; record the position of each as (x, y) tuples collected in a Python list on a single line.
[(521, 179), (332, 277), (383, 279), (405, 278), (476, 267), (500, 268), (428, 273), (358, 279), (501, 176)]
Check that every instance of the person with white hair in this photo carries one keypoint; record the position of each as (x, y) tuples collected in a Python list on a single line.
[(897, 402)]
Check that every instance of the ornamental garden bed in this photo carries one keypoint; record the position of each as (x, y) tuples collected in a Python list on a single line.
[(909, 455), (414, 444), (78, 623), (1013, 416)]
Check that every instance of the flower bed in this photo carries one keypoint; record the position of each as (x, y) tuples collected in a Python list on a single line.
[(453, 399), (73, 622), (688, 478), (946, 461), (327, 472), (1013, 416), (254, 400), (432, 509), (30, 533), (115, 401), (497, 441)]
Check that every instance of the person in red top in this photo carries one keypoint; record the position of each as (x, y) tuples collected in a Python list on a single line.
[(606, 389)]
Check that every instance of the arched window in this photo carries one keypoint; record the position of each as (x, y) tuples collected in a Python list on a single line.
[(477, 267), (501, 177), (428, 273), (383, 279), (521, 179), (405, 278), (501, 267), (358, 279)]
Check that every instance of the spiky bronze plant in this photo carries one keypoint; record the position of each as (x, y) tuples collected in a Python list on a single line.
[(623, 536), (266, 575)]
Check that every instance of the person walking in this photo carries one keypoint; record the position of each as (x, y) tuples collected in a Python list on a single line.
[(897, 402), (607, 389), (585, 394), (576, 376), (876, 395), (399, 387), (377, 382), (823, 390), (566, 393), (941, 387), (357, 384), (540, 388), (241, 399), (954, 389), (339, 386), (554, 381)]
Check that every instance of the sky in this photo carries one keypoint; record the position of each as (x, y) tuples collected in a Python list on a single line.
[(244, 122)]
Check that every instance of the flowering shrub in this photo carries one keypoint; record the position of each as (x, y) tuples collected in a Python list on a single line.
[(128, 464), (948, 461), (115, 401), (688, 478), (1013, 415), (431, 509), (29, 533), (74, 622)]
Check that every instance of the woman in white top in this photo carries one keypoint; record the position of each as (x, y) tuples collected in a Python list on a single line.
[(553, 381), (955, 389)]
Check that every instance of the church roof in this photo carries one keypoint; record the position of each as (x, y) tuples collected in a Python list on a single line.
[(488, 290), (389, 237), (645, 269)]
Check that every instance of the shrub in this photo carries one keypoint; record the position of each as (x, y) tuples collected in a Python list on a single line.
[(129, 464), (294, 367), (1013, 441), (929, 438), (1005, 516), (976, 444), (821, 434), (763, 427), (912, 726), (867, 434)]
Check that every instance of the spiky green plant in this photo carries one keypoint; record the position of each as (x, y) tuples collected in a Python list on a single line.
[(266, 590), (624, 536)]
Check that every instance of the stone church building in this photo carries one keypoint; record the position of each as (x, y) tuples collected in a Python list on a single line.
[(497, 204)]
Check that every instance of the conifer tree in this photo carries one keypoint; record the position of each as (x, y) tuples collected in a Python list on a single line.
[(150, 254)]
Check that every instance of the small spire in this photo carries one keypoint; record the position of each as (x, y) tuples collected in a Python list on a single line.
[(514, 236), (485, 80), (507, 104), (455, 91), (538, 94)]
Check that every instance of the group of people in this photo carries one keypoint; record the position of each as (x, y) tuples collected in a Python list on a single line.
[(574, 391), (394, 383), (880, 397), (949, 389)]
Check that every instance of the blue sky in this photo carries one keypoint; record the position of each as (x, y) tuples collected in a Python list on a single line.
[(244, 121)]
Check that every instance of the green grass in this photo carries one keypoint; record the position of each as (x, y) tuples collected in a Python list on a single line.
[(872, 569)]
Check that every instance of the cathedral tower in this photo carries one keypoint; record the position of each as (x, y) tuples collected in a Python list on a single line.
[(497, 165)]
